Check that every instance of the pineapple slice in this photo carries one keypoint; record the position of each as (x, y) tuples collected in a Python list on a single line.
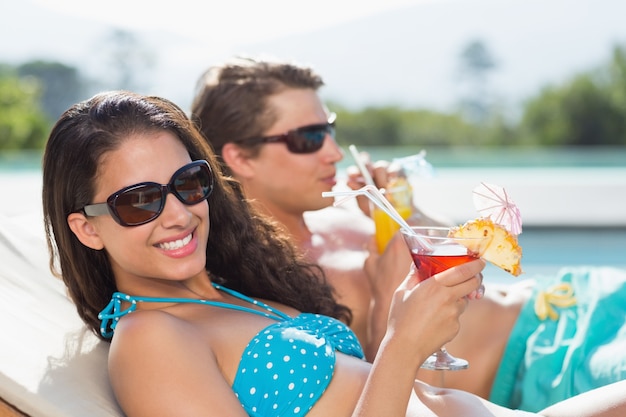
[(500, 247)]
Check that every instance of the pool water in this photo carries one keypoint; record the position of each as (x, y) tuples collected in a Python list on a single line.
[(546, 250)]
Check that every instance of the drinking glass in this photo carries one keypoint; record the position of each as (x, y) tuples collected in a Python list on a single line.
[(400, 194), (444, 252)]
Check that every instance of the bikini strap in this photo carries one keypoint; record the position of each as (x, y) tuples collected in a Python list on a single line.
[(113, 312)]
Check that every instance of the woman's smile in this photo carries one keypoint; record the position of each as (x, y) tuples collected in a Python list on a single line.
[(176, 244), (180, 248)]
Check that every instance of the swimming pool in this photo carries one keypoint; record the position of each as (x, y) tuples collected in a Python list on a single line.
[(547, 249)]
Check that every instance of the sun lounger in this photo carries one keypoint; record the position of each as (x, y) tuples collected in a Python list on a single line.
[(50, 364)]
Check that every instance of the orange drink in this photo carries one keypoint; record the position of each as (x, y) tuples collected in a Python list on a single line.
[(386, 227), (400, 195)]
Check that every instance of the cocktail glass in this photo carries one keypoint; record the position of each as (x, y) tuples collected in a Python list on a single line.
[(444, 252)]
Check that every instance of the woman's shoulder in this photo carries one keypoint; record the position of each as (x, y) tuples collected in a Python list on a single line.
[(152, 348), (145, 338), (145, 327), (156, 331)]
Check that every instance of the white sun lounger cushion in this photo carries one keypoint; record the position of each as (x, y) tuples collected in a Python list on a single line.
[(50, 364)]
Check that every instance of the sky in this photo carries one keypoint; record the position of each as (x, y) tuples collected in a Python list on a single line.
[(183, 31), (230, 23), (369, 51)]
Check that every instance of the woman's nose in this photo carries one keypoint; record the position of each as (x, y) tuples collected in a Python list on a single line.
[(175, 213)]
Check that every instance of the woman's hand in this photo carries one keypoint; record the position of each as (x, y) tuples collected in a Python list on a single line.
[(425, 315)]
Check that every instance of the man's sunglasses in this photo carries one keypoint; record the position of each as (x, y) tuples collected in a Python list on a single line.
[(141, 203), (306, 139)]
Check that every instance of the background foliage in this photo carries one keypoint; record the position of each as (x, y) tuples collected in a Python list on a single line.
[(23, 124), (587, 110)]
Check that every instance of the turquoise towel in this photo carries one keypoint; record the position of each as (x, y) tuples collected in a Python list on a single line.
[(547, 361)]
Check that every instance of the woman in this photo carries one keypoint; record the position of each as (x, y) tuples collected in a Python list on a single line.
[(137, 212)]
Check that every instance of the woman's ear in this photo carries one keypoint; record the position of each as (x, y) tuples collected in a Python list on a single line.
[(237, 160), (85, 231)]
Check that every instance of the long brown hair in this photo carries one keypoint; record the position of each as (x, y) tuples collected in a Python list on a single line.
[(245, 251)]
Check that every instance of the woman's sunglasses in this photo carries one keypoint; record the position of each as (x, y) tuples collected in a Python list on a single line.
[(141, 203), (306, 139)]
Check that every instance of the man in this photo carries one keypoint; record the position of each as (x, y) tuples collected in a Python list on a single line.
[(273, 133)]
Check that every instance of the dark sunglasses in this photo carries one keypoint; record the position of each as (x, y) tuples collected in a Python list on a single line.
[(141, 203), (306, 139)]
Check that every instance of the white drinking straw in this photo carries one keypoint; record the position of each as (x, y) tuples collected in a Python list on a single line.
[(359, 163)]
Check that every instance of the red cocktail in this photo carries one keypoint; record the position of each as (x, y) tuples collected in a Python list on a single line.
[(429, 265), (433, 251)]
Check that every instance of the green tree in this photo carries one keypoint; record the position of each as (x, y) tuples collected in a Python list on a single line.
[(128, 61), (430, 128), (393, 126), (616, 86), (22, 124), (370, 126), (61, 85), (588, 110), (476, 62)]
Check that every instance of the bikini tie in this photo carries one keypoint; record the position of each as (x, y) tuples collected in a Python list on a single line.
[(561, 295), (113, 312)]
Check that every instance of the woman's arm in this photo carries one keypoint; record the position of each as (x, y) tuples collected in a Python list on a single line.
[(423, 317), (385, 272), (606, 401)]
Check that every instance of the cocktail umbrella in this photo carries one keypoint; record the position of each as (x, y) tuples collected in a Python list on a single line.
[(493, 201)]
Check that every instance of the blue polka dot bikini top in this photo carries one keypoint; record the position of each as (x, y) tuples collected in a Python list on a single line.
[(285, 368)]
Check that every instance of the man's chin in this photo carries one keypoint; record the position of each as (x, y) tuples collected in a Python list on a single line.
[(320, 205)]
